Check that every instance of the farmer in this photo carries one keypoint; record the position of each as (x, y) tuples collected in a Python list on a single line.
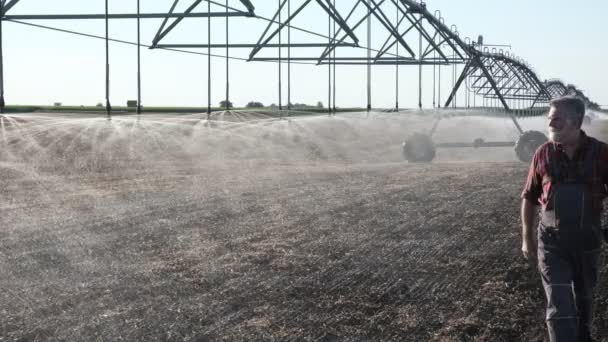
[(567, 179)]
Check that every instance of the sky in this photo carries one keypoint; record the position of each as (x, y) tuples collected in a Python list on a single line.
[(558, 38)]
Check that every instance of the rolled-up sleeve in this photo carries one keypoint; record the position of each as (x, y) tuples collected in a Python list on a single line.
[(533, 188)]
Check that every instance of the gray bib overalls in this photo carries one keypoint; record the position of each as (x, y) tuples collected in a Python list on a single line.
[(569, 243)]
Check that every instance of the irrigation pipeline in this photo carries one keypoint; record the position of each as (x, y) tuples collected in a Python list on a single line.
[(135, 44), (51, 28)]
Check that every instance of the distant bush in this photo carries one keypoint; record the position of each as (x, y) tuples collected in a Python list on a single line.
[(224, 102), (254, 104), (304, 105), (57, 104)]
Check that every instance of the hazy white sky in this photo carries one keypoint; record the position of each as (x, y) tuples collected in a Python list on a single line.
[(560, 39)]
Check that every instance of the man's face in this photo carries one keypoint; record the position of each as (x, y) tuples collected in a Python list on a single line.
[(563, 128)]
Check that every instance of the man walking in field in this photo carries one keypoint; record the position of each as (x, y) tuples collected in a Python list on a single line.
[(567, 179)]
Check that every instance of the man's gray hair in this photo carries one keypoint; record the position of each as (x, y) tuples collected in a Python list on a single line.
[(572, 106)]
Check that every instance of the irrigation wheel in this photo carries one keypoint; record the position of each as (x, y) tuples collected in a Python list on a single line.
[(419, 148), (528, 143)]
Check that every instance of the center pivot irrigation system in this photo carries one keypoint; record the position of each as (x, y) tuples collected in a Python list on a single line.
[(482, 76)]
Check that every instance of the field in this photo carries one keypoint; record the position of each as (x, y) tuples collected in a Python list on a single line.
[(312, 229)]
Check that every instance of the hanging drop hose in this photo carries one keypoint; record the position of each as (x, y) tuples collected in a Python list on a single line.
[(329, 41), (108, 106), (397, 63), (369, 56), (420, 66), (227, 104), (288, 59), (280, 56), (334, 63), (209, 62), (138, 109)]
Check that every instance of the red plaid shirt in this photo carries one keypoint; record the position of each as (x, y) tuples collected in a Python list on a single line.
[(538, 184)]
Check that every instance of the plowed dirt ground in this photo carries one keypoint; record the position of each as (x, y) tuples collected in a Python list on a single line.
[(141, 236)]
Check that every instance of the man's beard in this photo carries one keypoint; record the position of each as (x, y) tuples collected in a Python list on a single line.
[(563, 136)]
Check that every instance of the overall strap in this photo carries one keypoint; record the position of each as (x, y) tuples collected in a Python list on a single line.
[(554, 167), (590, 159)]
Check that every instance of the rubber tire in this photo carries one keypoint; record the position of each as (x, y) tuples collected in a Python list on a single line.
[(419, 148), (528, 143)]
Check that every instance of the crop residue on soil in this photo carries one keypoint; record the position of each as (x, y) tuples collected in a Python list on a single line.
[(169, 228)]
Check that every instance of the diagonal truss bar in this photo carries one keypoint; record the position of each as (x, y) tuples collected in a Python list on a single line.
[(511, 80), (446, 33), (463, 75), (535, 84), (329, 49), (176, 21), (428, 50), (246, 3), (386, 23), (474, 84), (331, 10), (514, 71), (162, 26), (388, 26), (536, 99), (500, 97), (327, 7), (426, 35), (477, 60), (7, 6), (519, 78), (524, 77), (412, 53), (431, 41), (525, 82), (499, 64), (541, 85), (249, 6), (383, 48), (361, 21), (448, 38), (260, 44), (188, 12)]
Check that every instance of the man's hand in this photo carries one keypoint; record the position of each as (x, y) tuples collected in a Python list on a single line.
[(528, 245), (528, 248)]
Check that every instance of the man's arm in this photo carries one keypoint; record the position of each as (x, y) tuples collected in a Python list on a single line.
[(530, 195), (528, 246)]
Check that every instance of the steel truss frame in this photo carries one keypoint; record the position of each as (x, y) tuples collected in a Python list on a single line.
[(499, 78)]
